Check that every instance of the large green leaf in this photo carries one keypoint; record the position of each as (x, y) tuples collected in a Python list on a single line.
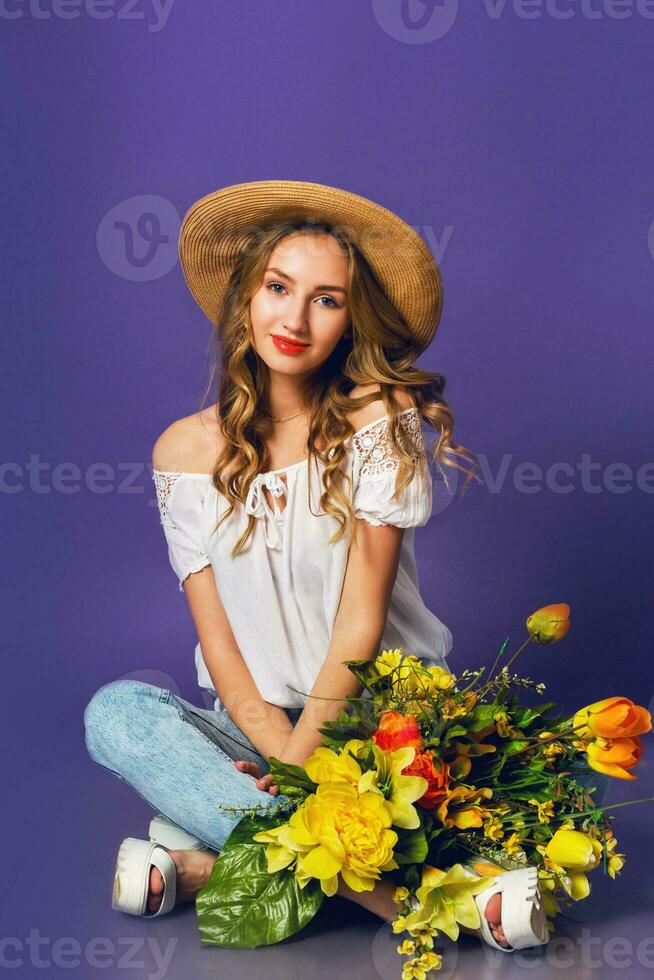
[(411, 848), (242, 906)]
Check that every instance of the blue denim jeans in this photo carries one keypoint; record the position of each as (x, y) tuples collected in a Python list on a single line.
[(178, 757)]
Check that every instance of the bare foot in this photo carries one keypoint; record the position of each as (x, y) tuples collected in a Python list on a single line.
[(193, 871), (494, 919)]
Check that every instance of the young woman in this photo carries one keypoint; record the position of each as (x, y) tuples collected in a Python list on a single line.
[(289, 507)]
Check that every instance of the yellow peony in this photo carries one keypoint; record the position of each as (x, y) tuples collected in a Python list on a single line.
[(335, 831), (398, 791)]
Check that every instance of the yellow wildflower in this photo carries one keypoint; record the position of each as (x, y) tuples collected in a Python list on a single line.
[(400, 894), (545, 810), (423, 934), (553, 748), (430, 960), (512, 845), (388, 661), (407, 948), (502, 723), (451, 708), (399, 924), (493, 829), (615, 862), (413, 970)]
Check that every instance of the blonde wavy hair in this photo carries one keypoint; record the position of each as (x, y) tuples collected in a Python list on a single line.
[(381, 350)]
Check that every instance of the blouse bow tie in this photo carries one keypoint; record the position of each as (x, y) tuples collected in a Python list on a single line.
[(257, 505)]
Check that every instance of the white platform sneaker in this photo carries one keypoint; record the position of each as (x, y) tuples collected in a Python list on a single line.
[(135, 861)]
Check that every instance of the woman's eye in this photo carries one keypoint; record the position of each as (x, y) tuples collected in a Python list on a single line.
[(332, 302)]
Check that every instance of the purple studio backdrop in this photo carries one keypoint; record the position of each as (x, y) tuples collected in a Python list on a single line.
[(517, 138)]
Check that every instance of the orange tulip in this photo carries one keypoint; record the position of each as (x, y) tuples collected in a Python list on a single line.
[(436, 772), (395, 731), (550, 623), (613, 718), (614, 757)]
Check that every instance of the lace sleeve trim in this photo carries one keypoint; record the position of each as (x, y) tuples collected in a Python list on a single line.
[(164, 483), (375, 448)]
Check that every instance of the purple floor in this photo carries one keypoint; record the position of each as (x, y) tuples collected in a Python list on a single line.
[(60, 920)]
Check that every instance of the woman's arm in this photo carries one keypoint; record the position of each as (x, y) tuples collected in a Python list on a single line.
[(189, 445), (266, 725), (358, 630)]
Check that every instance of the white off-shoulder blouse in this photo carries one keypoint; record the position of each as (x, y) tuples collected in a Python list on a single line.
[(281, 594)]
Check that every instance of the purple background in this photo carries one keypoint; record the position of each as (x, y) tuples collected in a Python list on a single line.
[(522, 149)]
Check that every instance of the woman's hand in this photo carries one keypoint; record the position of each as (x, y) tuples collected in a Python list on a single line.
[(264, 783)]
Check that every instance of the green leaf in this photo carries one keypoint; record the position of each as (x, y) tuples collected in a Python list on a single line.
[(242, 906), (454, 732), (411, 849), (480, 717), (292, 780), (523, 717), (515, 745)]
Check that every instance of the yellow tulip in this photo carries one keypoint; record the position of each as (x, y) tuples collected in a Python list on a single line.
[(575, 853), (615, 717), (549, 624)]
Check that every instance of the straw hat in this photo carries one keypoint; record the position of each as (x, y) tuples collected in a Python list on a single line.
[(217, 228)]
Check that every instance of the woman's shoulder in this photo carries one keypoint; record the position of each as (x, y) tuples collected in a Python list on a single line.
[(376, 408), (190, 444)]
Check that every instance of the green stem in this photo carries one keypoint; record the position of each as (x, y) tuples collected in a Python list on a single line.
[(484, 690), (499, 656), (577, 813)]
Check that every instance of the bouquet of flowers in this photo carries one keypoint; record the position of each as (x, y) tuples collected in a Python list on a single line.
[(427, 776)]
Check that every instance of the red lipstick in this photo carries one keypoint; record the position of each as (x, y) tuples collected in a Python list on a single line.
[(287, 346)]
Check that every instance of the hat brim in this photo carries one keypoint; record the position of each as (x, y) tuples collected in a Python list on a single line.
[(217, 228)]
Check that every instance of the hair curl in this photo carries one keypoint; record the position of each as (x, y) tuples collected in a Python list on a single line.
[(380, 352)]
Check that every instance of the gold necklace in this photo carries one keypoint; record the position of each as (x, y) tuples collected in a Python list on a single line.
[(273, 418)]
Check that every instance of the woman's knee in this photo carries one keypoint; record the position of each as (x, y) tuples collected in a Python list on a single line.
[(117, 710)]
